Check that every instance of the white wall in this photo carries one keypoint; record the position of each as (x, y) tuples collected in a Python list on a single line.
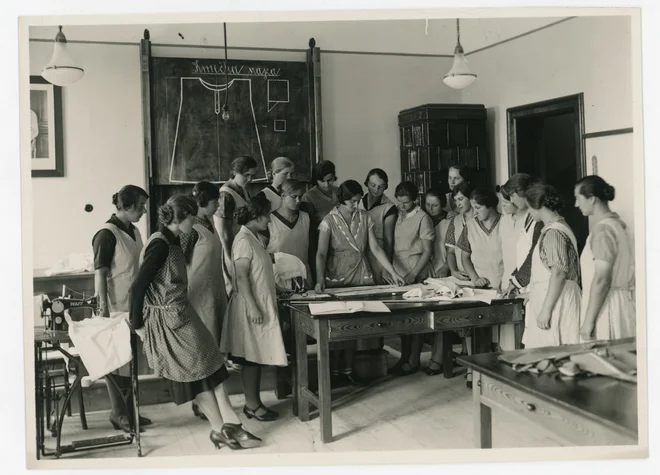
[(592, 55), (102, 117), (102, 122)]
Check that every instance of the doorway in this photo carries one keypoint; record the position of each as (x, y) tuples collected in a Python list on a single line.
[(545, 139)]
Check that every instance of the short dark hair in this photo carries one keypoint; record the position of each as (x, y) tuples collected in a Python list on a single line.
[(518, 184), (464, 189), (407, 188), (203, 192), (380, 173), (242, 164), (257, 207), (321, 169), (485, 197), (348, 190), (128, 197), (593, 185), (541, 194), (463, 170), (438, 194), (177, 209)]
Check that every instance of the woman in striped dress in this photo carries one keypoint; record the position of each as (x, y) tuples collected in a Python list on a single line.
[(552, 314)]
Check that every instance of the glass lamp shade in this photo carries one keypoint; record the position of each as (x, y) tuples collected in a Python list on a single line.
[(460, 76), (62, 69)]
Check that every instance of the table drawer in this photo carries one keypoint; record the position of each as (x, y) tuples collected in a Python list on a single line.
[(568, 426), (348, 328), (475, 317)]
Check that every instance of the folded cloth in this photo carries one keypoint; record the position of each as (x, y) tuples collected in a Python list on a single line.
[(445, 287), (104, 344), (287, 267), (72, 264)]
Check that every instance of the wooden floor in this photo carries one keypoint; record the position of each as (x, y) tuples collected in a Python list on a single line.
[(415, 412)]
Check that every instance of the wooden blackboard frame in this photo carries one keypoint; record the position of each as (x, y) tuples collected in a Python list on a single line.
[(313, 61)]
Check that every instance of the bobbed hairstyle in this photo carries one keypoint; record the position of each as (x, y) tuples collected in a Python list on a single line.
[(257, 207), (407, 188), (380, 173), (291, 186), (321, 169), (542, 195), (204, 192), (177, 209), (438, 194), (279, 164), (463, 170), (593, 185), (348, 190), (464, 189), (484, 197), (241, 165), (518, 184), (128, 197)]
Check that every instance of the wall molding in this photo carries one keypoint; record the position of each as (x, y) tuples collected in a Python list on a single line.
[(296, 50), (607, 133)]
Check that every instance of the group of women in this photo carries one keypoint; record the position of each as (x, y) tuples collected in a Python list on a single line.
[(204, 292)]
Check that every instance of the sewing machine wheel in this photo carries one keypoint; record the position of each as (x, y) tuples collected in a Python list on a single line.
[(57, 306)]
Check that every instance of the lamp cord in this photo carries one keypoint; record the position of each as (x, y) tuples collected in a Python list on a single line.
[(458, 31), (226, 67)]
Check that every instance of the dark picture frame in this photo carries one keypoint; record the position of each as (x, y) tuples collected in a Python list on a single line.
[(47, 139)]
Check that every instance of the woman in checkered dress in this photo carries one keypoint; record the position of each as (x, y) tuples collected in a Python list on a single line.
[(179, 347)]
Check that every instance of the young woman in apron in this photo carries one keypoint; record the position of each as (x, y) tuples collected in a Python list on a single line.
[(203, 252), (461, 197), (178, 345), (233, 195), (552, 314), (117, 249), (281, 169), (514, 191), (456, 175), (413, 249), (251, 335), (607, 264), (436, 203), (288, 229), (346, 235)]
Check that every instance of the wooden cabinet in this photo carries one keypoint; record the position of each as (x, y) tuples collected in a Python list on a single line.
[(435, 136)]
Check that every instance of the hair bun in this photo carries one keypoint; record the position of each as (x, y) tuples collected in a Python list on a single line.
[(242, 215), (609, 192), (115, 199), (553, 202), (165, 214)]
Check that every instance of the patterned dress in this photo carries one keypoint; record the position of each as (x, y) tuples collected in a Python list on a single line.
[(178, 345), (410, 232), (379, 212)]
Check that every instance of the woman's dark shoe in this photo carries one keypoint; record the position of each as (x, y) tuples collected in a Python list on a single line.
[(396, 368), (406, 370), (122, 423), (144, 421), (266, 415), (354, 380), (220, 439), (244, 438), (434, 371), (198, 412)]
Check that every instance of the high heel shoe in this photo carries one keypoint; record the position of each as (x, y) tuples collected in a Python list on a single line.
[(268, 416), (238, 433), (220, 439), (198, 412), (121, 423)]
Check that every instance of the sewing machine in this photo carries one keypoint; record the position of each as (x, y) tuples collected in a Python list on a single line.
[(53, 310)]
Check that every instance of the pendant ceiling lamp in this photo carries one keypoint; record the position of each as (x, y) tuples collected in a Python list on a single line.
[(460, 76), (62, 69), (225, 108)]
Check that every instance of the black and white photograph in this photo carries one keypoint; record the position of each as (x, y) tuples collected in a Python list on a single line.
[(333, 237)]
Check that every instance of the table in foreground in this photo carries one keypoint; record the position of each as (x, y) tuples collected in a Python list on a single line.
[(582, 411), (404, 318)]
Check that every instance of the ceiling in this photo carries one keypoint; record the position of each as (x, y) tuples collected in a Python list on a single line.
[(385, 36)]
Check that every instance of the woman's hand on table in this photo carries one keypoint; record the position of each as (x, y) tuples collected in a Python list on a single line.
[(319, 288), (460, 275), (481, 282), (409, 278), (398, 280), (587, 331)]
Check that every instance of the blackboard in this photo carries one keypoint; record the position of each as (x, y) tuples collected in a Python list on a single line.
[(269, 106)]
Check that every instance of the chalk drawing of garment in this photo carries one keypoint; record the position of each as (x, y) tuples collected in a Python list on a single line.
[(204, 144)]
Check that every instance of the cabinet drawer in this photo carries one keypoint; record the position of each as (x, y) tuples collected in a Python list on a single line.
[(476, 317), (348, 328), (570, 427)]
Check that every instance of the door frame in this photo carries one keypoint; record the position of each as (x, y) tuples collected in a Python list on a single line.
[(561, 105)]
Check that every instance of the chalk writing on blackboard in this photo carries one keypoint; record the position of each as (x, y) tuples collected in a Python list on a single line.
[(220, 67), (278, 92)]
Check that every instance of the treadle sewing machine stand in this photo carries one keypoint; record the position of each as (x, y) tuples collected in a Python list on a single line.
[(54, 334)]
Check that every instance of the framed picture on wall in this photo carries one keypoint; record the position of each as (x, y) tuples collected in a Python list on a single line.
[(47, 152)]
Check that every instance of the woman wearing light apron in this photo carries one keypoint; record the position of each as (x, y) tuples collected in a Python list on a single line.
[(203, 252), (413, 249), (288, 229), (345, 237), (552, 314), (607, 264), (233, 195), (179, 347), (251, 335), (117, 249), (461, 197), (281, 169)]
